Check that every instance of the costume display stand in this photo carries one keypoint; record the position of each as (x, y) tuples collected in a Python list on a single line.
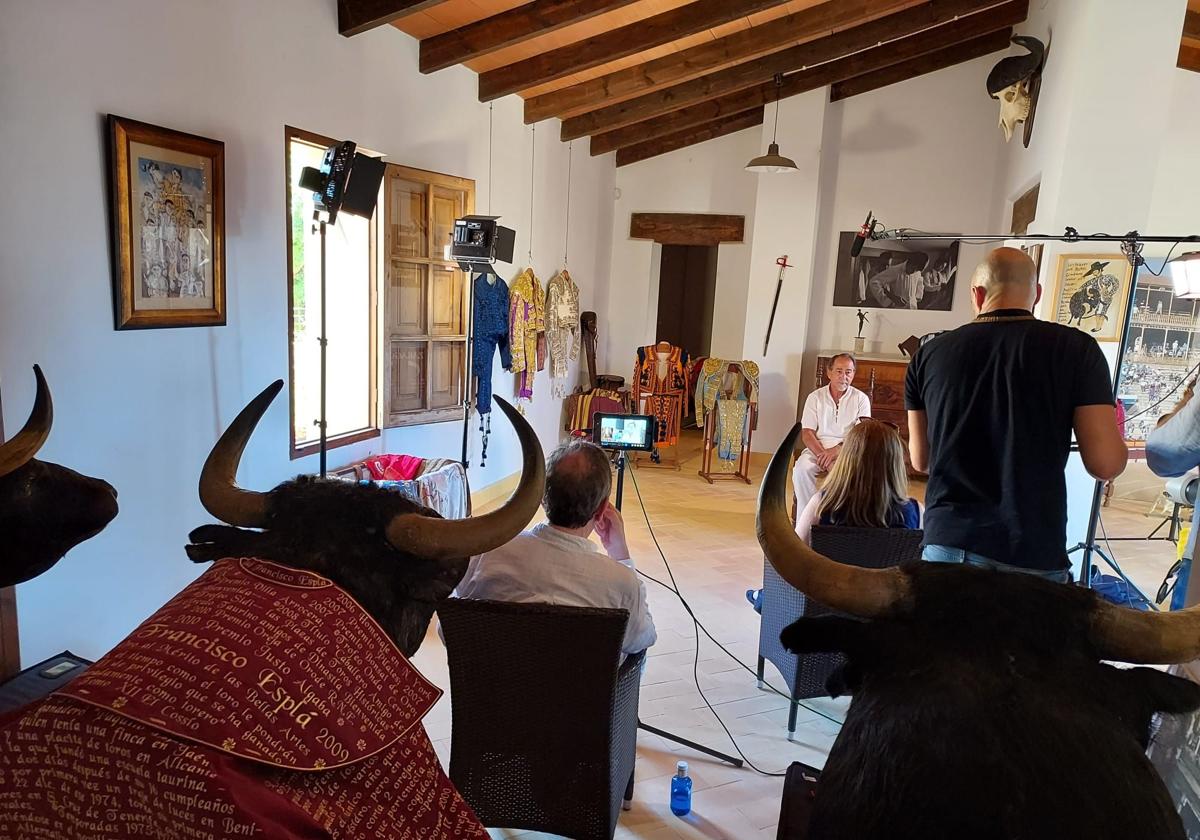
[(1131, 246), (738, 388), (662, 733), (659, 388)]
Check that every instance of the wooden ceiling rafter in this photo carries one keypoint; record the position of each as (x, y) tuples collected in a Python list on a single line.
[(614, 44), (824, 19), (862, 65), (855, 51), (931, 62), (356, 16), (689, 137), (514, 26)]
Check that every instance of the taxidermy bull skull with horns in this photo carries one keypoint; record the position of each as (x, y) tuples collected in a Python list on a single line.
[(1015, 81)]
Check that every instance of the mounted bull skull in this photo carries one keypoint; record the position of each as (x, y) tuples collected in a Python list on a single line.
[(45, 510), (981, 708), (1015, 81), (396, 558)]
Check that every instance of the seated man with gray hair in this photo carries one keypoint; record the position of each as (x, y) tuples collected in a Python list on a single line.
[(556, 563), (829, 412)]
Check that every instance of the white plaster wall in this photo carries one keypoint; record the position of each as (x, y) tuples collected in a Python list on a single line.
[(706, 178), (142, 408), (920, 154), (785, 222)]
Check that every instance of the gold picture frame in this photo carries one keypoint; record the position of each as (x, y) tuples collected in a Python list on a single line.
[(1091, 293), (168, 221)]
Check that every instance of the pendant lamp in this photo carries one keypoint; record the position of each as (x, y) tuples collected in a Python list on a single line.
[(772, 161), (1185, 275)]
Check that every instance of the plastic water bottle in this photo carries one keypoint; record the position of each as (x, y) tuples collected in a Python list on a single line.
[(681, 790)]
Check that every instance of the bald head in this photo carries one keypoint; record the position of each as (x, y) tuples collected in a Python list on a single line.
[(1006, 279)]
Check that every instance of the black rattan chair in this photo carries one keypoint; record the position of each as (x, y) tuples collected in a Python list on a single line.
[(782, 604), (544, 729)]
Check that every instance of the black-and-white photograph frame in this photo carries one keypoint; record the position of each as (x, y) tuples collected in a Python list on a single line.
[(896, 275)]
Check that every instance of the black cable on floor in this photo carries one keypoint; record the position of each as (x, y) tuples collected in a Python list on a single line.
[(696, 628)]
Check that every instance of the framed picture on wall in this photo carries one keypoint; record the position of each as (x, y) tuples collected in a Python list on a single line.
[(168, 222), (896, 275), (1091, 293)]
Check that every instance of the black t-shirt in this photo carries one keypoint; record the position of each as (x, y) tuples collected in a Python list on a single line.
[(1000, 398)]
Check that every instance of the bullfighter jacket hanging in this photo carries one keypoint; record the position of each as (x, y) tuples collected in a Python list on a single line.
[(261, 701), (527, 326), (490, 320), (660, 387), (562, 328)]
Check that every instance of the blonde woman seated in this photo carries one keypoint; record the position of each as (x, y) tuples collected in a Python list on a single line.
[(867, 486)]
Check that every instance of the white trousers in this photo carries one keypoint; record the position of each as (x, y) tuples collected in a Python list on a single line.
[(804, 479)]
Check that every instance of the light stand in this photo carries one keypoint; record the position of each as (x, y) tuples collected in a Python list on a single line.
[(662, 733), (1131, 247), (334, 190)]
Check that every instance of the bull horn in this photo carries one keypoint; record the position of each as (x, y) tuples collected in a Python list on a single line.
[(1150, 638), (867, 593), (25, 444), (459, 539), (219, 492)]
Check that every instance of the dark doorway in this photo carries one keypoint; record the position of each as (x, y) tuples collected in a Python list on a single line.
[(687, 286)]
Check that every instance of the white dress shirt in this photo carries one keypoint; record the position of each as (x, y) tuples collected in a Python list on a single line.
[(547, 566), (831, 420)]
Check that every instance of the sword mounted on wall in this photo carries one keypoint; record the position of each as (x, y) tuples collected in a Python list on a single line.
[(783, 265)]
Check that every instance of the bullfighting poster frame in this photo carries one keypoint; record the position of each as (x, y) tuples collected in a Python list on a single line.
[(1061, 299)]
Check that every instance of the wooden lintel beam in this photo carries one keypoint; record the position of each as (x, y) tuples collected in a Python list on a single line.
[(687, 228), (693, 103), (1189, 58), (1191, 24), (919, 66), (797, 28), (616, 43), (355, 16), (507, 28), (688, 137)]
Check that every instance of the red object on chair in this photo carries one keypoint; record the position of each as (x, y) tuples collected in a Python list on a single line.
[(394, 467)]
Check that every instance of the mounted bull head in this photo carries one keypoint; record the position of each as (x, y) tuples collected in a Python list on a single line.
[(1015, 82), (45, 510), (396, 558), (981, 708)]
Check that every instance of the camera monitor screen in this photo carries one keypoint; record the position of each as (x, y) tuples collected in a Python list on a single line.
[(623, 431)]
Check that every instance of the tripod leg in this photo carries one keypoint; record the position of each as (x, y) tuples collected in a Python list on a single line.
[(728, 759)]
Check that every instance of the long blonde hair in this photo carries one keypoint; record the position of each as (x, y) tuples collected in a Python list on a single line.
[(868, 481)]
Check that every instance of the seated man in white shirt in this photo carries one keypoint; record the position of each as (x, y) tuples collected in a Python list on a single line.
[(829, 412), (556, 563)]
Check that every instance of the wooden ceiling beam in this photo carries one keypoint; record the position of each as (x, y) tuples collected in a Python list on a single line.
[(507, 28), (1191, 24), (616, 43), (742, 87), (919, 66), (797, 28), (355, 16), (1189, 58), (688, 137)]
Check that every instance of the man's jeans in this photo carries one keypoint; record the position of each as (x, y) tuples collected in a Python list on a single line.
[(948, 554)]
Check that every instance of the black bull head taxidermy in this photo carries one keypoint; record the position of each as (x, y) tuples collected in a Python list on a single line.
[(45, 509), (981, 708), (263, 700), (395, 557)]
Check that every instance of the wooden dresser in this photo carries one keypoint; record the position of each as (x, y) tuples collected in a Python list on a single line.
[(881, 378)]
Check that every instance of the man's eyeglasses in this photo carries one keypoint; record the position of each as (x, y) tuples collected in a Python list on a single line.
[(877, 420)]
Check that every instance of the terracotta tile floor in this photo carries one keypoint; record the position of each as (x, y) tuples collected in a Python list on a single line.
[(707, 533)]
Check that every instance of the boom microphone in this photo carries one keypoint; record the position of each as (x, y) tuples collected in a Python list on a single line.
[(861, 237)]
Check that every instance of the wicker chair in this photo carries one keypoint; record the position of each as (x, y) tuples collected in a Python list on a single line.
[(544, 712), (782, 604)]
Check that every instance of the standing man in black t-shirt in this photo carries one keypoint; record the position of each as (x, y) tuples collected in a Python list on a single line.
[(991, 407)]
